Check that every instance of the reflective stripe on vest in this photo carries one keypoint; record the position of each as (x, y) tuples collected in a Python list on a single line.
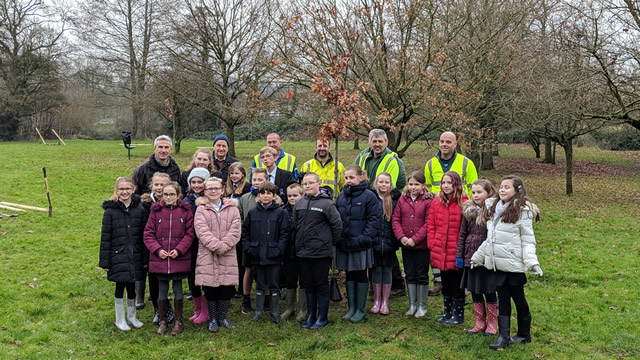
[(433, 182), (389, 162), (289, 168), (464, 170), (465, 162)]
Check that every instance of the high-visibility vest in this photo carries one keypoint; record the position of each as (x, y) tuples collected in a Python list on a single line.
[(462, 165), (388, 164), (326, 173), (286, 162)]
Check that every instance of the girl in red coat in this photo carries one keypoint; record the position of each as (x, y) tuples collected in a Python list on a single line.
[(168, 236), (443, 228), (410, 228)]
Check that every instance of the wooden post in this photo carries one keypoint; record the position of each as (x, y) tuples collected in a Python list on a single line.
[(41, 138), (59, 138)]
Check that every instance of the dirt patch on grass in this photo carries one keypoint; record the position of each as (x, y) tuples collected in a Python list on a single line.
[(536, 167)]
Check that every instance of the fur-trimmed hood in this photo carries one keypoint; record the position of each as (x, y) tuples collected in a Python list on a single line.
[(157, 206), (471, 213)]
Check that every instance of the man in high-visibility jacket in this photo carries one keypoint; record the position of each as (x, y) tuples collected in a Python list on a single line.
[(324, 165), (284, 161), (375, 160), (378, 158), (447, 159)]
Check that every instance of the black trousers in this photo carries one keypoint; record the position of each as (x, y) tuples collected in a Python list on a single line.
[(515, 292), (315, 275), (291, 271), (223, 292), (131, 289), (416, 266), (154, 288), (451, 283), (267, 277)]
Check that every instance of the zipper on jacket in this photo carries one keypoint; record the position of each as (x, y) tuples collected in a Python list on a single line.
[(169, 257)]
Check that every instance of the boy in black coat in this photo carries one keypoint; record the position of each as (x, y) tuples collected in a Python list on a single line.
[(265, 234)]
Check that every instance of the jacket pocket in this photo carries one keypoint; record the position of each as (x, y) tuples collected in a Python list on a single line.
[(118, 250), (273, 251), (254, 249)]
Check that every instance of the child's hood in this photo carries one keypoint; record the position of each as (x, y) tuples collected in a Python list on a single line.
[(113, 204)]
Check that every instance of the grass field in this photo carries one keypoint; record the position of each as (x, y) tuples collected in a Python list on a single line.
[(56, 303)]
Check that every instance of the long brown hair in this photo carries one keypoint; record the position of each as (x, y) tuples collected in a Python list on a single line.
[(387, 201), (488, 188), (512, 213), (203, 150), (457, 188), (228, 189)]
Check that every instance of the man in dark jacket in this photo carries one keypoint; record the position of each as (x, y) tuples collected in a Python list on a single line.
[(265, 234), (221, 158), (318, 226), (160, 161)]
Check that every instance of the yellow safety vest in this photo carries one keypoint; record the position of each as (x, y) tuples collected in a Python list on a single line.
[(388, 164), (326, 173), (462, 165), (288, 164)]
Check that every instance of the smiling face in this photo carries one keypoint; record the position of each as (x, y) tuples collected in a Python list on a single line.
[(383, 184), (293, 196), (201, 160), (236, 176), (478, 194), (378, 144), (273, 140), (257, 179), (322, 148), (414, 187), (157, 184), (196, 185), (446, 185), (448, 145), (221, 149), (213, 190), (125, 189), (162, 150), (351, 178), (507, 190), (170, 195)]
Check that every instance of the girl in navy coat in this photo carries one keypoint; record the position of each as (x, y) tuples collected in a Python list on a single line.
[(361, 213), (385, 246), (121, 247)]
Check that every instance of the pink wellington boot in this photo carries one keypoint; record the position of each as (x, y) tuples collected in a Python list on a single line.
[(376, 298), (386, 292), (204, 313), (197, 307)]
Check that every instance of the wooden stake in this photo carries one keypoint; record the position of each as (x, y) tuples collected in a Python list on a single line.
[(11, 208), (41, 138), (20, 206), (59, 138)]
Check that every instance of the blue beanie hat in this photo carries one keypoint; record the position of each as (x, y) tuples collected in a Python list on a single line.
[(221, 137), (198, 172)]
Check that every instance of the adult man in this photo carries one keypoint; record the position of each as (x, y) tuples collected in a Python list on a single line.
[(160, 161), (378, 158), (281, 178), (221, 158), (284, 160), (324, 166), (447, 159), (375, 160)]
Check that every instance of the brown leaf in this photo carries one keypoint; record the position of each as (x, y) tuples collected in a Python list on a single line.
[(112, 333), (539, 356), (613, 307), (70, 294), (2, 233)]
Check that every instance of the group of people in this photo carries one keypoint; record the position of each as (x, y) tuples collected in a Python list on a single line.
[(219, 227)]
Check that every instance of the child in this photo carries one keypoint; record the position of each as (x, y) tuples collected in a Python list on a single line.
[(195, 194), (265, 233), (443, 228), (202, 158), (360, 213), (479, 281), (385, 246), (317, 227), (510, 250), (121, 247), (168, 236), (158, 181), (281, 178), (237, 184), (292, 264), (217, 225), (410, 227)]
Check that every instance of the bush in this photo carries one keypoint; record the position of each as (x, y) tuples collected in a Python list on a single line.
[(618, 138)]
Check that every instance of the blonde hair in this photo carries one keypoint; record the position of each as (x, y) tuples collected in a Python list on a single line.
[(387, 201), (296, 186), (270, 150), (119, 180), (228, 189), (158, 174), (206, 151), (212, 179), (358, 170)]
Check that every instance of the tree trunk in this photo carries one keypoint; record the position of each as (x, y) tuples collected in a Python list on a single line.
[(568, 152), (356, 143), (548, 156), (232, 139), (475, 156), (553, 158), (136, 111), (487, 160), (534, 141)]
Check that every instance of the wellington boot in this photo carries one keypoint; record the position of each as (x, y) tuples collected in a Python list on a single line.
[(351, 300), (163, 308), (290, 303), (436, 290), (178, 326), (524, 330), (275, 316), (362, 291), (223, 309), (504, 330), (384, 304), (479, 314), (131, 314), (448, 310), (212, 309), (203, 317), (259, 305), (121, 323), (413, 298), (197, 307), (323, 313), (457, 314), (492, 319), (377, 294), (423, 290), (312, 307), (301, 311), (140, 288)]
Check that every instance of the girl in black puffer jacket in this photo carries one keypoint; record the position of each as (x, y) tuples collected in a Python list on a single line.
[(121, 247), (384, 246)]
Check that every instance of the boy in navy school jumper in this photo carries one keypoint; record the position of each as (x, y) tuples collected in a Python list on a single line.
[(265, 234)]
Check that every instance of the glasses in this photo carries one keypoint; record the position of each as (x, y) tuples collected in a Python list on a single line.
[(169, 195), (213, 189), (309, 183), (125, 189)]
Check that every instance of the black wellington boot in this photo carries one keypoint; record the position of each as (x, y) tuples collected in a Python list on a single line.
[(524, 330), (504, 330)]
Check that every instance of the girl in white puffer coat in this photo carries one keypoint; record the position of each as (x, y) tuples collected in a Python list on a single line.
[(510, 250)]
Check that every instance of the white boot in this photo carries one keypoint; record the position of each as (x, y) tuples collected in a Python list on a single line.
[(121, 323), (131, 314)]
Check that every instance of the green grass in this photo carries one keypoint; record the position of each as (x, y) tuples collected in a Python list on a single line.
[(55, 302)]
